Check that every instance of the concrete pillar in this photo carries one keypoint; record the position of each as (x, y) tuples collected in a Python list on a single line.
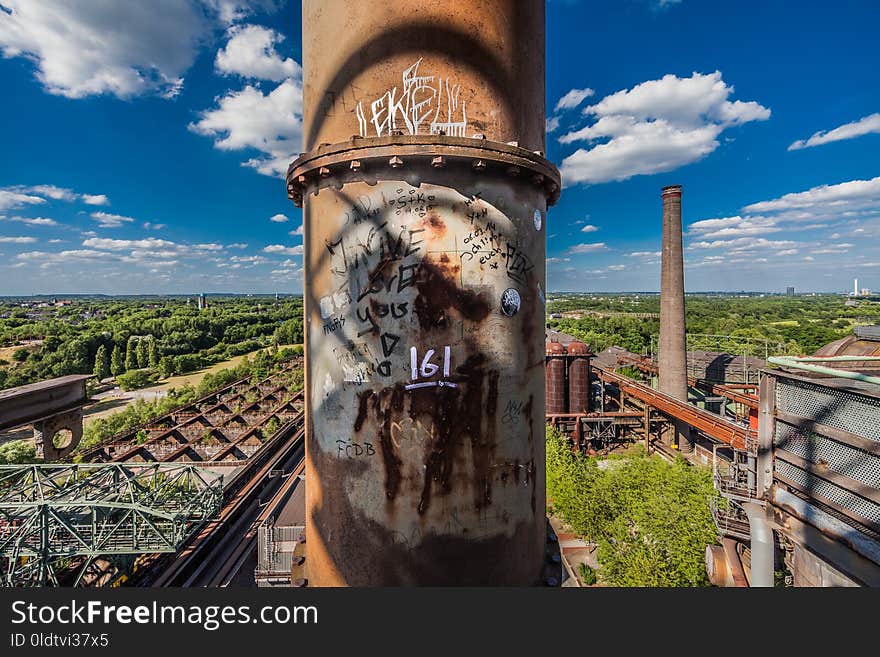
[(45, 430)]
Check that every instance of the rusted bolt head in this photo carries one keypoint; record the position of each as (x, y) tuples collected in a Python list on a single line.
[(438, 162), (479, 165), (395, 162), (324, 172), (301, 179), (355, 165), (537, 179)]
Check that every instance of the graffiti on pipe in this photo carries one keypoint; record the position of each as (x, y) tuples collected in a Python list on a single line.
[(428, 104)]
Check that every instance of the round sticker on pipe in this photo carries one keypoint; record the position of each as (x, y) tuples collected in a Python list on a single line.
[(539, 220), (510, 302)]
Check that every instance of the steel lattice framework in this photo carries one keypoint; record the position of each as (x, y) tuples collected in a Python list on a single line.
[(57, 517)]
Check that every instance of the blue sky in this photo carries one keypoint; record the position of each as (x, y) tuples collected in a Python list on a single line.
[(143, 144)]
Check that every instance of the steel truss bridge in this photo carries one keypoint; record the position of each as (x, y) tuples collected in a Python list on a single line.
[(56, 520)]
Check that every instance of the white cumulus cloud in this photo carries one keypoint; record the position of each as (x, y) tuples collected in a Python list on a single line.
[(587, 248), (285, 250), (656, 126), (108, 220), (249, 119), (573, 98), (279, 218), (864, 126), (250, 52), (17, 240), (11, 199), (100, 46)]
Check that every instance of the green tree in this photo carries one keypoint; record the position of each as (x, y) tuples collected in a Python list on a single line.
[(166, 367), (102, 363), (131, 354), (153, 352), (117, 361), (143, 353), (135, 379), (650, 518)]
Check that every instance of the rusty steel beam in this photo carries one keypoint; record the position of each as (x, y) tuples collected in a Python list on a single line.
[(709, 423), (424, 191), (731, 392)]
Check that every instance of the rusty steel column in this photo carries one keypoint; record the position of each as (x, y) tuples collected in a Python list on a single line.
[(425, 192), (673, 344), (578, 378), (554, 384)]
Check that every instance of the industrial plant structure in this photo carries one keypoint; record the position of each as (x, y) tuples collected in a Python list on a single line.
[(415, 454)]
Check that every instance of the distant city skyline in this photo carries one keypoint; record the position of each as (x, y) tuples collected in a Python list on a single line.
[(144, 146)]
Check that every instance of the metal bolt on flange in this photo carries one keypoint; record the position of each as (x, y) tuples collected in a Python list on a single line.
[(438, 162), (479, 165), (355, 165), (395, 162), (324, 172)]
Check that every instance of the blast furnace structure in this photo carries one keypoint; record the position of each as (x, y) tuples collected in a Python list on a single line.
[(425, 192)]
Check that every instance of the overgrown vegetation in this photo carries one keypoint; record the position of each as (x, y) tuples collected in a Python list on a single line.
[(800, 324), (165, 336), (650, 518), (17, 451)]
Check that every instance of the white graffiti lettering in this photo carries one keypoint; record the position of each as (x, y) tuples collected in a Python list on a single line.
[(427, 104)]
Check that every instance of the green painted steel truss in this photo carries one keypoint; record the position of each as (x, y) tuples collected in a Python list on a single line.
[(56, 520)]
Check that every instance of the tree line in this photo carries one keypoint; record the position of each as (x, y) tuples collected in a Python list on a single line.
[(155, 338)]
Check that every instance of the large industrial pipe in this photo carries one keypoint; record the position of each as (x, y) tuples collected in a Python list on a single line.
[(673, 349), (425, 192), (762, 548), (578, 378), (555, 379)]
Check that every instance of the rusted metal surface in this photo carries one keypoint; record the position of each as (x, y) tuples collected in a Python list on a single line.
[(555, 379), (578, 378), (709, 423), (227, 426), (424, 213), (732, 392)]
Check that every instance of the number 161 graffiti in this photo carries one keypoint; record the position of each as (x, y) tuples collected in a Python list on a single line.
[(427, 369)]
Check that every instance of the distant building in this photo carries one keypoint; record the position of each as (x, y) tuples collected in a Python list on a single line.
[(202, 302), (789, 291)]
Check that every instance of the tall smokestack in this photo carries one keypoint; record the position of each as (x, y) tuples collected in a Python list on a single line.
[(673, 354), (855, 287)]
